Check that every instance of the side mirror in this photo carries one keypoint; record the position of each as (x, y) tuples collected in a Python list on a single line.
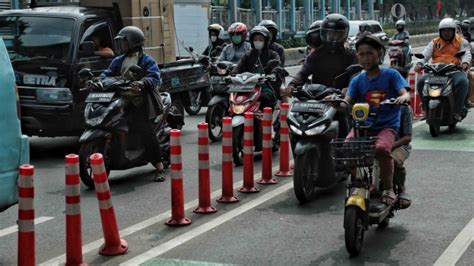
[(136, 72), (419, 56), (281, 72), (87, 49), (85, 74), (301, 51), (352, 69), (191, 49)]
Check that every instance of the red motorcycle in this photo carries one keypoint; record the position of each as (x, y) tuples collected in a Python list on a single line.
[(395, 53), (245, 90)]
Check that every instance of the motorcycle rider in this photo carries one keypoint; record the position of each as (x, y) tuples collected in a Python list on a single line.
[(373, 86), (272, 27), (466, 29), (443, 50), (144, 100), (256, 60), (313, 35), (216, 43), (404, 36), (233, 52), (328, 60)]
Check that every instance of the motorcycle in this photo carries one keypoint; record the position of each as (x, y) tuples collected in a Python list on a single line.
[(245, 90), (395, 53), (438, 96), (218, 106), (107, 130), (362, 202), (312, 126)]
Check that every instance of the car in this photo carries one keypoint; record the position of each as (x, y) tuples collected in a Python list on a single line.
[(374, 27), (14, 147)]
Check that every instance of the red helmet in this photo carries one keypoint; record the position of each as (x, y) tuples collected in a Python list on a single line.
[(238, 27)]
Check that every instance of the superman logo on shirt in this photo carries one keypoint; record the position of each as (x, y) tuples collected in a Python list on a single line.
[(375, 97)]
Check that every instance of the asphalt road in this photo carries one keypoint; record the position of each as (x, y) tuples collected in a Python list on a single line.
[(266, 228)]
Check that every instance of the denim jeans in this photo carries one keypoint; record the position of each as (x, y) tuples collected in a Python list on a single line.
[(460, 89)]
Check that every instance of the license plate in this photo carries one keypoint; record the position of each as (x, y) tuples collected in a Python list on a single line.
[(307, 107), (438, 80), (100, 97), (241, 88)]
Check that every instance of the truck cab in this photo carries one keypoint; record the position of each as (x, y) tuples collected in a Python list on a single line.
[(14, 149), (48, 46)]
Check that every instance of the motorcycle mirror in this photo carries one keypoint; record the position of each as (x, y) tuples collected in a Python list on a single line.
[(301, 51), (281, 72), (352, 69), (460, 53), (419, 56), (85, 73)]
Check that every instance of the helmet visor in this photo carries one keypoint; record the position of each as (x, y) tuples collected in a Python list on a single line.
[(334, 36), (122, 44)]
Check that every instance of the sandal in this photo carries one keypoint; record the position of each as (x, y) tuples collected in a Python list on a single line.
[(388, 197), (404, 200), (159, 176)]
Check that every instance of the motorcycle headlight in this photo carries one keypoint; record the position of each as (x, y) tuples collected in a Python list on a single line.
[(238, 108), (434, 91), (53, 95), (221, 71), (295, 130), (315, 130)]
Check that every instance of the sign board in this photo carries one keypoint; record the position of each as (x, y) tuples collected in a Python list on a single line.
[(398, 11)]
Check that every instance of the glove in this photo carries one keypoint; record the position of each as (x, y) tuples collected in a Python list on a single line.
[(138, 86), (287, 91)]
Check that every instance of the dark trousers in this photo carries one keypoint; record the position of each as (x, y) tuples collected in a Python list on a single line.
[(138, 121)]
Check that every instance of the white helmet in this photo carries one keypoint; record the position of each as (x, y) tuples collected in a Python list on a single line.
[(447, 23)]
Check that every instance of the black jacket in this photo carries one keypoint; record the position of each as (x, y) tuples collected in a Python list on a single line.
[(215, 48), (324, 65), (250, 61), (280, 50)]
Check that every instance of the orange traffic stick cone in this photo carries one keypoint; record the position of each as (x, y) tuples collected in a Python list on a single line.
[(204, 173), (73, 212), (26, 216), (177, 195), (415, 99), (248, 186), (113, 244), (267, 148), (227, 167), (284, 144)]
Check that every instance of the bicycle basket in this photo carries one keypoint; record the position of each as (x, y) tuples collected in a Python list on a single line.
[(356, 151)]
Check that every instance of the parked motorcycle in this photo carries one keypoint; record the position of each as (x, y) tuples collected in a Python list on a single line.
[(312, 126), (395, 53), (438, 96), (362, 205), (218, 106), (108, 132), (245, 90)]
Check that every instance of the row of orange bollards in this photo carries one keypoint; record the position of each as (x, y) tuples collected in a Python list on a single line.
[(113, 245)]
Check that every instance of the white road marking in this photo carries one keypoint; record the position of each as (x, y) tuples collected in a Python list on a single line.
[(14, 229), (94, 246), (177, 241), (457, 248)]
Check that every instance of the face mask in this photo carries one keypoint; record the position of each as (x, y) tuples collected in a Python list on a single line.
[(237, 39), (213, 38), (258, 45)]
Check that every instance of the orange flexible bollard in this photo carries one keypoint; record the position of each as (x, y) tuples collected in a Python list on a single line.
[(227, 167), (26, 216), (267, 148), (284, 144), (248, 186)]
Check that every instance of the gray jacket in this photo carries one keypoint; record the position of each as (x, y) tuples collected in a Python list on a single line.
[(233, 53)]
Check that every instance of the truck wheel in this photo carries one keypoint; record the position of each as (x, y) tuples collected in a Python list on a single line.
[(177, 109), (194, 105), (85, 169)]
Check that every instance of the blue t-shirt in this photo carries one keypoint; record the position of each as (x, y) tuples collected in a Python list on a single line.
[(373, 91)]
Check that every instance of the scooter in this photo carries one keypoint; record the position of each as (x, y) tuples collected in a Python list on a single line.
[(108, 132), (362, 202), (218, 106), (395, 53), (245, 90), (438, 96), (312, 126)]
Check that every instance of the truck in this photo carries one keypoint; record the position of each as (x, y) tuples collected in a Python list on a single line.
[(49, 45)]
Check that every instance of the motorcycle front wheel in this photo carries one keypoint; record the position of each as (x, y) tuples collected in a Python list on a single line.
[(306, 172), (353, 230), (194, 103), (214, 117), (85, 152), (434, 124)]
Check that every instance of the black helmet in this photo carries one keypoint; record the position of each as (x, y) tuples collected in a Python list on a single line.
[(400, 25), (313, 35), (466, 25), (271, 26), (129, 39), (262, 31), (334, 30)]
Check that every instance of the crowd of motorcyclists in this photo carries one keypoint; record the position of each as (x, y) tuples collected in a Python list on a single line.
[(329, 56)]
